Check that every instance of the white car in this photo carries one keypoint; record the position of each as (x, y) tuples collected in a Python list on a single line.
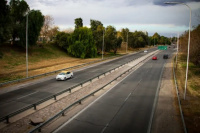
[(145, 51), (64, 75)]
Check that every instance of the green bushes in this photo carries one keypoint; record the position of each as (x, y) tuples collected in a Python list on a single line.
[(79, 44)]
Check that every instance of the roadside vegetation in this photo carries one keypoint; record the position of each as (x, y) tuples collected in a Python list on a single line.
[(50, 49), (191, 105)]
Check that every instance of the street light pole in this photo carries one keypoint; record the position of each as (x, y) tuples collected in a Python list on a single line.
[(177, 49), (188, 44), (103, 44), (27, 45), (127, 41)]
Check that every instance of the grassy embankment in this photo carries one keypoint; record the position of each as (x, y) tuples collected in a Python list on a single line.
[(191, 105), (41, 60)]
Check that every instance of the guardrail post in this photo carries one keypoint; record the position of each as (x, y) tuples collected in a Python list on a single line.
[(34, 106), (70, 90), (54, 97), (63, 113), (7, 119)]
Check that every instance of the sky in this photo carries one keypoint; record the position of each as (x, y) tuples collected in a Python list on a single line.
[(141, 15)]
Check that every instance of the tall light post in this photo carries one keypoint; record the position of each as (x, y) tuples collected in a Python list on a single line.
[(188, 43), (127, 41), (177, 48), (103, 43), (27, 44)]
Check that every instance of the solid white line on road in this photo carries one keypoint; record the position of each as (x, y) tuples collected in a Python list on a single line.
[(27, 95), (127, 97), (105, 128)]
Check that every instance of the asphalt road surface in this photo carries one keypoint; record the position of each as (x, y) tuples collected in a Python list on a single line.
[(126, 108), (23, 97)]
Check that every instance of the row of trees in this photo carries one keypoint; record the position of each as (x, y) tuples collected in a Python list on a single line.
[(13, 22), (194, 47), (156, 39), (86, 42), (82, 42)]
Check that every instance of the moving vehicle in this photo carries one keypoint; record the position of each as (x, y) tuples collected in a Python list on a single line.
[(165, 56), (64, 75), (145, 51), (154, 58)]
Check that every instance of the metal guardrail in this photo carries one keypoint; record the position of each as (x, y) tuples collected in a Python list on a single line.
[(53, 96), (179, 101), (44, 74), (39, 127)]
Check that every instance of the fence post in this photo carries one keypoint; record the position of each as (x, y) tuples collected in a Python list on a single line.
[(63, 113), (7, 119), (34, 106)]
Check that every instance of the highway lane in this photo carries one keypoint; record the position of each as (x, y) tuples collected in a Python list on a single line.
[(20, 98), (126, 108)]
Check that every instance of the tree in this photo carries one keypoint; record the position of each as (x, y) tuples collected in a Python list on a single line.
[(117, 44), (94, 24), (110, 37), (137, 39), (62, 40), (35, 22), (5, 22), (98, 37), (112, 41), (78, 23), (156, 38), (131, 40), (97, 30), (53, 32), (18, 9), (124, 33), (194, 48), (48, 23), (82, 43)]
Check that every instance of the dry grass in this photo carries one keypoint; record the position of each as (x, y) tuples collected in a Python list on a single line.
[(41, 60), (191, 105)]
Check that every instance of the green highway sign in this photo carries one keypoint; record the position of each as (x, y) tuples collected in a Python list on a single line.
[(162, 47)]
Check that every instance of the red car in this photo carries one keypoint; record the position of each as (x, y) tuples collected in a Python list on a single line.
[(154, 58)]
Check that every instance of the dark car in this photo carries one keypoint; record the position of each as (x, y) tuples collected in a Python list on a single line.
[(165, 56)]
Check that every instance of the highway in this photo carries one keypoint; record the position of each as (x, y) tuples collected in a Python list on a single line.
[(23, 97), (126, 108)]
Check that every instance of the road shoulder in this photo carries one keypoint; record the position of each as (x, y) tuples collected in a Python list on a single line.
[(167, 117)]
